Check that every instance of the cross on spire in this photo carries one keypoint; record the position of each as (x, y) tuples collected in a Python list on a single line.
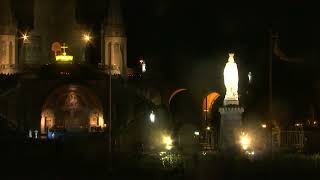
[(64, 47)]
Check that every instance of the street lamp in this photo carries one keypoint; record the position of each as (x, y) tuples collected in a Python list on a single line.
[(152, 117), (245, 141), (196, 133), (167, 141), (86, 38), (24, 37)]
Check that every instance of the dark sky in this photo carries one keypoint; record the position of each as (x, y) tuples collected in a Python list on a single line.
[(189, 40)]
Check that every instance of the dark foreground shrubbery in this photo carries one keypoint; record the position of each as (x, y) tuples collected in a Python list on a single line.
[(80, 158)]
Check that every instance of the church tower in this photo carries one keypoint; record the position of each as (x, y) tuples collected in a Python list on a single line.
[(115, 40), (31, 49), (8, 61)]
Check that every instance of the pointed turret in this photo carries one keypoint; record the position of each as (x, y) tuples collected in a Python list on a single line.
[(7, 24), (8, 63), (115, 41), (114, 13), (114, 22)]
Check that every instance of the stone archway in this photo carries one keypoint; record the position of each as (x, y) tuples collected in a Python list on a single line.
[(211, 115), (208, 102), (182, 106), (73, 108)]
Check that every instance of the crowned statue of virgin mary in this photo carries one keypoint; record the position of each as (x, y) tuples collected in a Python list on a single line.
[(231, 80)]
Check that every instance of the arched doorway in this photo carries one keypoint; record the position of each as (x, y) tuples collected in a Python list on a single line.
[(210, 112), (182, 107), (186, 119), (73, 108)]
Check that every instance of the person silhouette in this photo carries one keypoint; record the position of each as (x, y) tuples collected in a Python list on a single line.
[(30, 133)]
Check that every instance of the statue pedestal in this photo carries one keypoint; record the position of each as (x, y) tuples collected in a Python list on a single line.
[(230, 127)]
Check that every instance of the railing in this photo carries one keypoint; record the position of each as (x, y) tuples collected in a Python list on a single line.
[(288, 139)]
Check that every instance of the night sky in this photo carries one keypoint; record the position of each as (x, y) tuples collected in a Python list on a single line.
[(189, 41)]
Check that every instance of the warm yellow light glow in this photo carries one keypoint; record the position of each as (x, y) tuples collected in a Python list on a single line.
[(87, 38), (208, 128), (250, 153), (231, 79), (64, 57), (196, 133), (209, 100), (101, 121), (25, 37), (263, 125), (167, 141), (245, 141)]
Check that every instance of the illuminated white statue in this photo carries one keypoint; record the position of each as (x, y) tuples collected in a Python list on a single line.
[(231, 79)]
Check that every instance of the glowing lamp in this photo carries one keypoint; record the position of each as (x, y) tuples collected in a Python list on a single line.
[(25, 37), (167, 141), (245, 141), (152, 117), (64, 57), (86, 37)]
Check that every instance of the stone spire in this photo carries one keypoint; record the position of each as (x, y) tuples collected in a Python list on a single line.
[(114, 13), (115, 41), (8, 60), (114, 26), (7, 24)]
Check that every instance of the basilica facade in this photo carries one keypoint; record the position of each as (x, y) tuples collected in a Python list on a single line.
[(48, 86), (45, 90)]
